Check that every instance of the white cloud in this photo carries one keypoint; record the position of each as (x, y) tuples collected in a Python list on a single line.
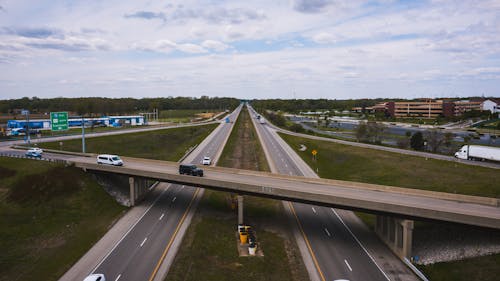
[(324, 38), (215, 45), (235, 49)]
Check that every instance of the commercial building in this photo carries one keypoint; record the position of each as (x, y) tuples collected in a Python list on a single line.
[(109, 121), (430, 109)]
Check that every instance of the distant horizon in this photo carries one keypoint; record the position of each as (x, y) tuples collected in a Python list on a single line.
[(223, 97), (294, 49)]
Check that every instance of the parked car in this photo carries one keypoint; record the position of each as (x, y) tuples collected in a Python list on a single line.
[(95, 277), (190, 169), (34, 152), (206, 160), (109, 159)]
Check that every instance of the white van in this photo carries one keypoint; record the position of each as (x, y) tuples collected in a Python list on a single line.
[(109, 159)]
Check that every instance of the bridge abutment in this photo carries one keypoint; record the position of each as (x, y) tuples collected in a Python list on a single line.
[(138, 188), (396, 233)]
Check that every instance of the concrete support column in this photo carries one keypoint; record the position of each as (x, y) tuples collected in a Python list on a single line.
[(396, 233), (240, 209), (131, 182)]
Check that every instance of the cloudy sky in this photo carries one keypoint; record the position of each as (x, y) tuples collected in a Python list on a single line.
[(334, 49)]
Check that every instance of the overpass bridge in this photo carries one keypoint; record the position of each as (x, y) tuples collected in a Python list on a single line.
[(387, 200)]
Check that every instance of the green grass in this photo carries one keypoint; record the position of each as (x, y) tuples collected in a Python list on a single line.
[(209, 248), (244, 138), (167, 144), (482, 269), (343, 162), (50, 216)]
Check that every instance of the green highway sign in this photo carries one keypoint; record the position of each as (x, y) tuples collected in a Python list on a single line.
[(59, 121)]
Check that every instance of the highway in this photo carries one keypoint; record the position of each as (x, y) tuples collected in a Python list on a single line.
[(336, 254), (150, 241), (404, 202), (137, 256)]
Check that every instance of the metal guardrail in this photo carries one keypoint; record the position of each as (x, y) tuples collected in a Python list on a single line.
[(415, 270), (20, 156)]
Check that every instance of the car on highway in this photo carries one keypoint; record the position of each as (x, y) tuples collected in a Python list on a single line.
[(206, 160), (109, 159), (34, 152), (95, 277), (190, 169)]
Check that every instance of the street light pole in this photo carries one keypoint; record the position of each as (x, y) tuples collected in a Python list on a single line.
[(83, 134)]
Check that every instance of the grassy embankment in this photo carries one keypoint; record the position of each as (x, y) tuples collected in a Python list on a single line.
[(51, 215), (351, 163), (167, 144), (209, 250)]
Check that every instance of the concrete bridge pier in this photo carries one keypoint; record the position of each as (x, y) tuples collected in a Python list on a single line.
[(240, 209), (396, 233), (138, 189)]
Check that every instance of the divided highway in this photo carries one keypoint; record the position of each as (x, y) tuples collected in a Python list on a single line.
[(139, 253), (336, 254)]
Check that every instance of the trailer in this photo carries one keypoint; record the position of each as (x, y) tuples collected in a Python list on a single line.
[(478, 152)]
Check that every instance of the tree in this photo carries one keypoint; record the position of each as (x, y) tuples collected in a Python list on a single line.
[(434, 140), (417, 141), (448, 137), (362, 131), (297, 128), (375, 131)]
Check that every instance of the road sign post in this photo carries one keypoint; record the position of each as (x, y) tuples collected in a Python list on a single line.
[(27, 113), (314, 152), (59, 121)]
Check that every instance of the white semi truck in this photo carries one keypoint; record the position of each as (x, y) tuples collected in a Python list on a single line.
[(478, 152)]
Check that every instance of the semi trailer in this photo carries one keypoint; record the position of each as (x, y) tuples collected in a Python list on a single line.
[(478, 152)]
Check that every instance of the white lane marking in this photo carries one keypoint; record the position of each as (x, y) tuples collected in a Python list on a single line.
[(327, 232), (173, 200), (359, 243), (118, 277), (144, 241), (348, 265), (182, 187), (314, 210), (130, 229), (161, 217)]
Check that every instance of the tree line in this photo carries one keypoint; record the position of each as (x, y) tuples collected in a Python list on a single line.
[(108, 106)]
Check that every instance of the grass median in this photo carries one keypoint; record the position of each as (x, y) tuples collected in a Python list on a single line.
[(209, 250), (50, 216)]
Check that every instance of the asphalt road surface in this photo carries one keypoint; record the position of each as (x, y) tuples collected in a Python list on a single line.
[(336, 251), (137, 255)]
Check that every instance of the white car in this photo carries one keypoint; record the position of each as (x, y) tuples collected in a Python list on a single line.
[(95, 277), (36, 150), (109, 159), (206, 160)]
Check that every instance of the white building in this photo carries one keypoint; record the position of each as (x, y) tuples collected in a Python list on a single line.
[(491, 105)]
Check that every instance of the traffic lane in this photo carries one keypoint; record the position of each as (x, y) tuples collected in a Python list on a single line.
[(336, 251), (127, 254), (155, 243), (119, 258)]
